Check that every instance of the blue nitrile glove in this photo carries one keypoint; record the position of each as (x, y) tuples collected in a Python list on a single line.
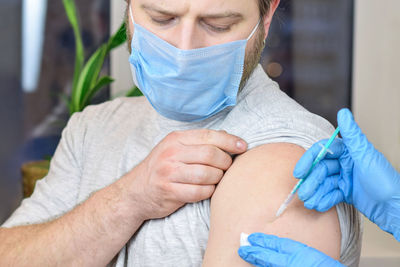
[(272, 251), (356, 173)]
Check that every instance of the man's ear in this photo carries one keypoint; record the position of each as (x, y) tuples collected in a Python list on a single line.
[(268, 18)]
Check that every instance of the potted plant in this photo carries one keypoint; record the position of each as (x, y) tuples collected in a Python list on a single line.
[(86, 84)]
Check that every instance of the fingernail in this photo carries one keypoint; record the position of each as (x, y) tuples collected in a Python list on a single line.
[(240, 145)]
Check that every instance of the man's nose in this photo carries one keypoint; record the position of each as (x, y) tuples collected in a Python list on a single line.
[(188, 37)]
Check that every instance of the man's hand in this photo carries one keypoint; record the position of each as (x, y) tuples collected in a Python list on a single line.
[(272, 251), (183, 168)]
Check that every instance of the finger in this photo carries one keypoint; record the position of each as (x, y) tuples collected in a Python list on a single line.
[(260, 256), (324, 169), (346, 187), (281, 245), (330, 200), (306, 161), (227, 142), (197, 174), (331, 166), (205, 154), (328, 185), (189, 193)]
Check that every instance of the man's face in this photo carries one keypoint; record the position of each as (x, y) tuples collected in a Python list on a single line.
[(188, 24)]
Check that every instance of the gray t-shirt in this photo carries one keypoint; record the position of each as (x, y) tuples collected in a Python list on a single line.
[(106, 141)]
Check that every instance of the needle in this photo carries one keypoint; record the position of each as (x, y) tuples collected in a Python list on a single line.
[(320, 157)]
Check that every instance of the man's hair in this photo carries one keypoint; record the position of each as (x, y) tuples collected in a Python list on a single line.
[(264, 6)]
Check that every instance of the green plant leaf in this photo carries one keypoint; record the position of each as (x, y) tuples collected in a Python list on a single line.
[(134, 92), (70, 9), (104, 81), (88, 77), (118, 38)]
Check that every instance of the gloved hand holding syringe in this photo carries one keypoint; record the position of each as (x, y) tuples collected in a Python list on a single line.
[(321, 156), (349, 175)]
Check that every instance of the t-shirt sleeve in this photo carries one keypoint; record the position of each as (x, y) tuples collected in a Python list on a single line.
[(273, 117), (300, 128), (57, 193)]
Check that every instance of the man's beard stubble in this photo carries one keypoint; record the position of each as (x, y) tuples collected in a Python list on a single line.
[(253, 57)]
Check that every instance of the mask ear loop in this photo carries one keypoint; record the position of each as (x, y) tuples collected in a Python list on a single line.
[(254, 30), (131, 14)]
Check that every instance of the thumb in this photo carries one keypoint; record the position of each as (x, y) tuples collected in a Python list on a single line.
[(356, 142)]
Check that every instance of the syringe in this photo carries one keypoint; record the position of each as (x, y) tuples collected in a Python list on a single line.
[(320, 156)]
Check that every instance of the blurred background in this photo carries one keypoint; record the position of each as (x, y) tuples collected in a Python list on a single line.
[(32, 112), (326, 54)]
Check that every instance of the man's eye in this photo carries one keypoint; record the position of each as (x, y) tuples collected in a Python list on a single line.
[(218, 29), (162, 21)]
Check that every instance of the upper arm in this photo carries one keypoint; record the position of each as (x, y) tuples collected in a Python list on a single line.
[(248, 197)]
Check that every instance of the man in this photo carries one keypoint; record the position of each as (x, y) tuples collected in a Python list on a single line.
[(131, 181), (359, 175)]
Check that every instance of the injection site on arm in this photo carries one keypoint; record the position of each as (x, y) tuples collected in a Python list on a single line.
[(320, 156), (250, 194)]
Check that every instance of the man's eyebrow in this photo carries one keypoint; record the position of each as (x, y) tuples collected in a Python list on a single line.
[(159, 10), (233, 15), (229, 14)]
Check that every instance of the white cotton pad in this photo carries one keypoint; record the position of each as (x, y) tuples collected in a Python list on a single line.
[(243, 240)]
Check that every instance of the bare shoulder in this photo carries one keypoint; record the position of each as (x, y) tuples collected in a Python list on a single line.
[(247, 198)]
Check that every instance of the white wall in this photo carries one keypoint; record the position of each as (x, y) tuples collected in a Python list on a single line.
[(120, 69), (376, 93), (376, 97)]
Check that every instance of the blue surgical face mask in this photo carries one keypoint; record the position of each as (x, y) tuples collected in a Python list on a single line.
[(186, 85)]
